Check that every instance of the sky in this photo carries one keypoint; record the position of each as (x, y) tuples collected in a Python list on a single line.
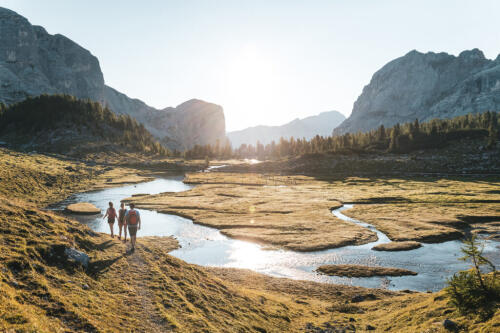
[(266, 62)]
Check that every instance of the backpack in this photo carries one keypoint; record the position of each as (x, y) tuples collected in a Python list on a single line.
[(132, 217)]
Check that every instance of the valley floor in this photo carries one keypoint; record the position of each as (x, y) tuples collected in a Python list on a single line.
[(151, 291), (293, 211)]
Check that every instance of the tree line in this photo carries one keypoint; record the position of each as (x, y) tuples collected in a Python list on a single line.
[(46, 113), (400, 138)]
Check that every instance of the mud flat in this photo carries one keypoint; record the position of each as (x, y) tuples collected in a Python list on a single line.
[(397, 246), (363, 271), (83, 208)]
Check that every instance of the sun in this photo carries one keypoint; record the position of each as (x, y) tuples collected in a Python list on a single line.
[(251, 84)]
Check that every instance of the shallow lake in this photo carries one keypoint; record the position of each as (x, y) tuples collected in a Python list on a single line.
[(208, 247)]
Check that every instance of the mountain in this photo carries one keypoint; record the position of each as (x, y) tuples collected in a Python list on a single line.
[(426, 86), (321, 124), (64, 124), (33, 62)]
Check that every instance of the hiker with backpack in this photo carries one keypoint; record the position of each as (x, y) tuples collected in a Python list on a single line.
[(133, 220), (111, 215), (121, 222)]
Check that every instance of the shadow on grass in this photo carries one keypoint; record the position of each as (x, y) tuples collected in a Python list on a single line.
[(98, 267), (105, 245)]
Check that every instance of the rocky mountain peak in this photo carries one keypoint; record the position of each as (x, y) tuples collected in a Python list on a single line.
[(474, 54), (425, 86)]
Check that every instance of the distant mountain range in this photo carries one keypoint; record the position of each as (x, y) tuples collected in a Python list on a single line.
[(426, 86), (33, 62), (321, 124)]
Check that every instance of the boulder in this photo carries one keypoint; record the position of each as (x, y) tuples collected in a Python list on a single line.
[(83, 208), (77, 257)]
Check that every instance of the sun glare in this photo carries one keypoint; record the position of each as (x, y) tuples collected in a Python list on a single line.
[(250, 85)]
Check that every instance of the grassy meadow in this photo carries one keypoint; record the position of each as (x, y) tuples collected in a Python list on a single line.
[(293, 212), (151, 291)]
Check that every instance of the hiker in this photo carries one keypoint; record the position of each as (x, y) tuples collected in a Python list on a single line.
[(133, 220), (111, 215), (121, 222)]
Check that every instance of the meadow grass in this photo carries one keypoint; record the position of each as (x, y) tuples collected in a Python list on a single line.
[(151, 291)]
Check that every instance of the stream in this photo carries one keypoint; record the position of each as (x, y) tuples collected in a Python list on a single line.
[(208, 247)]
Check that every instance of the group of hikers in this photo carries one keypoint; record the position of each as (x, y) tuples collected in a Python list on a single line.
[(127, 219)]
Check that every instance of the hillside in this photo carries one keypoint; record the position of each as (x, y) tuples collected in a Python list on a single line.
[(34, 62), (425, 86), (64, 124), (321, 124)]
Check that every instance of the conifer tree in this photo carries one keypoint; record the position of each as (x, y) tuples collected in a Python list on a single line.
[(395, 133)]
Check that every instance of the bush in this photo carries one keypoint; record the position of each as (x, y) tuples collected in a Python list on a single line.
[(473, 292)]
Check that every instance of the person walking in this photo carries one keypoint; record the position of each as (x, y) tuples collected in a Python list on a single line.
[(133, 220), (121, 222), (111, 215)]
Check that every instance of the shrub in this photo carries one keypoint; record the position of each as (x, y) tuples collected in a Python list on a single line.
[(473, 292)]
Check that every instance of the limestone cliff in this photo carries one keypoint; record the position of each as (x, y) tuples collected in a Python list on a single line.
[(426, 86)]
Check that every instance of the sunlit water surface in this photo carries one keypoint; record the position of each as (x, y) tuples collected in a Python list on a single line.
[(208, 247)]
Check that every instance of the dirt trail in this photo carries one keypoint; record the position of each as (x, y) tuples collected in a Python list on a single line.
[(141, 299)]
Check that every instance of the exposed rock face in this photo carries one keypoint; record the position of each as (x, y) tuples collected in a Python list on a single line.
[(33, 62), (192, 122), (322, 124), (426, 86)]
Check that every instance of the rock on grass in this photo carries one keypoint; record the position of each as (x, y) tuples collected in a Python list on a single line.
[(362, 271), (397, 246), (83, 208)]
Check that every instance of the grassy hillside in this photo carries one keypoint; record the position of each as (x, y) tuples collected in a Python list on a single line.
[(64, 124), (39, 180)]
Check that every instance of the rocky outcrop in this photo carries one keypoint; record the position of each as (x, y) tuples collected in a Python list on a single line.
[(192, 122), (322, 124), (426, 86), (33, 62)]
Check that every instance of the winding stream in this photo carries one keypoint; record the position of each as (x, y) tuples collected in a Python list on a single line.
[(208, 247)]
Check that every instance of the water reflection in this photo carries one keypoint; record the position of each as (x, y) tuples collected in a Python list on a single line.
[(206, 246)]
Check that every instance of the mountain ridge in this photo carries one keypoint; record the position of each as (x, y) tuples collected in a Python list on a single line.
[(34, 62), (321, 124), (426, 86)]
